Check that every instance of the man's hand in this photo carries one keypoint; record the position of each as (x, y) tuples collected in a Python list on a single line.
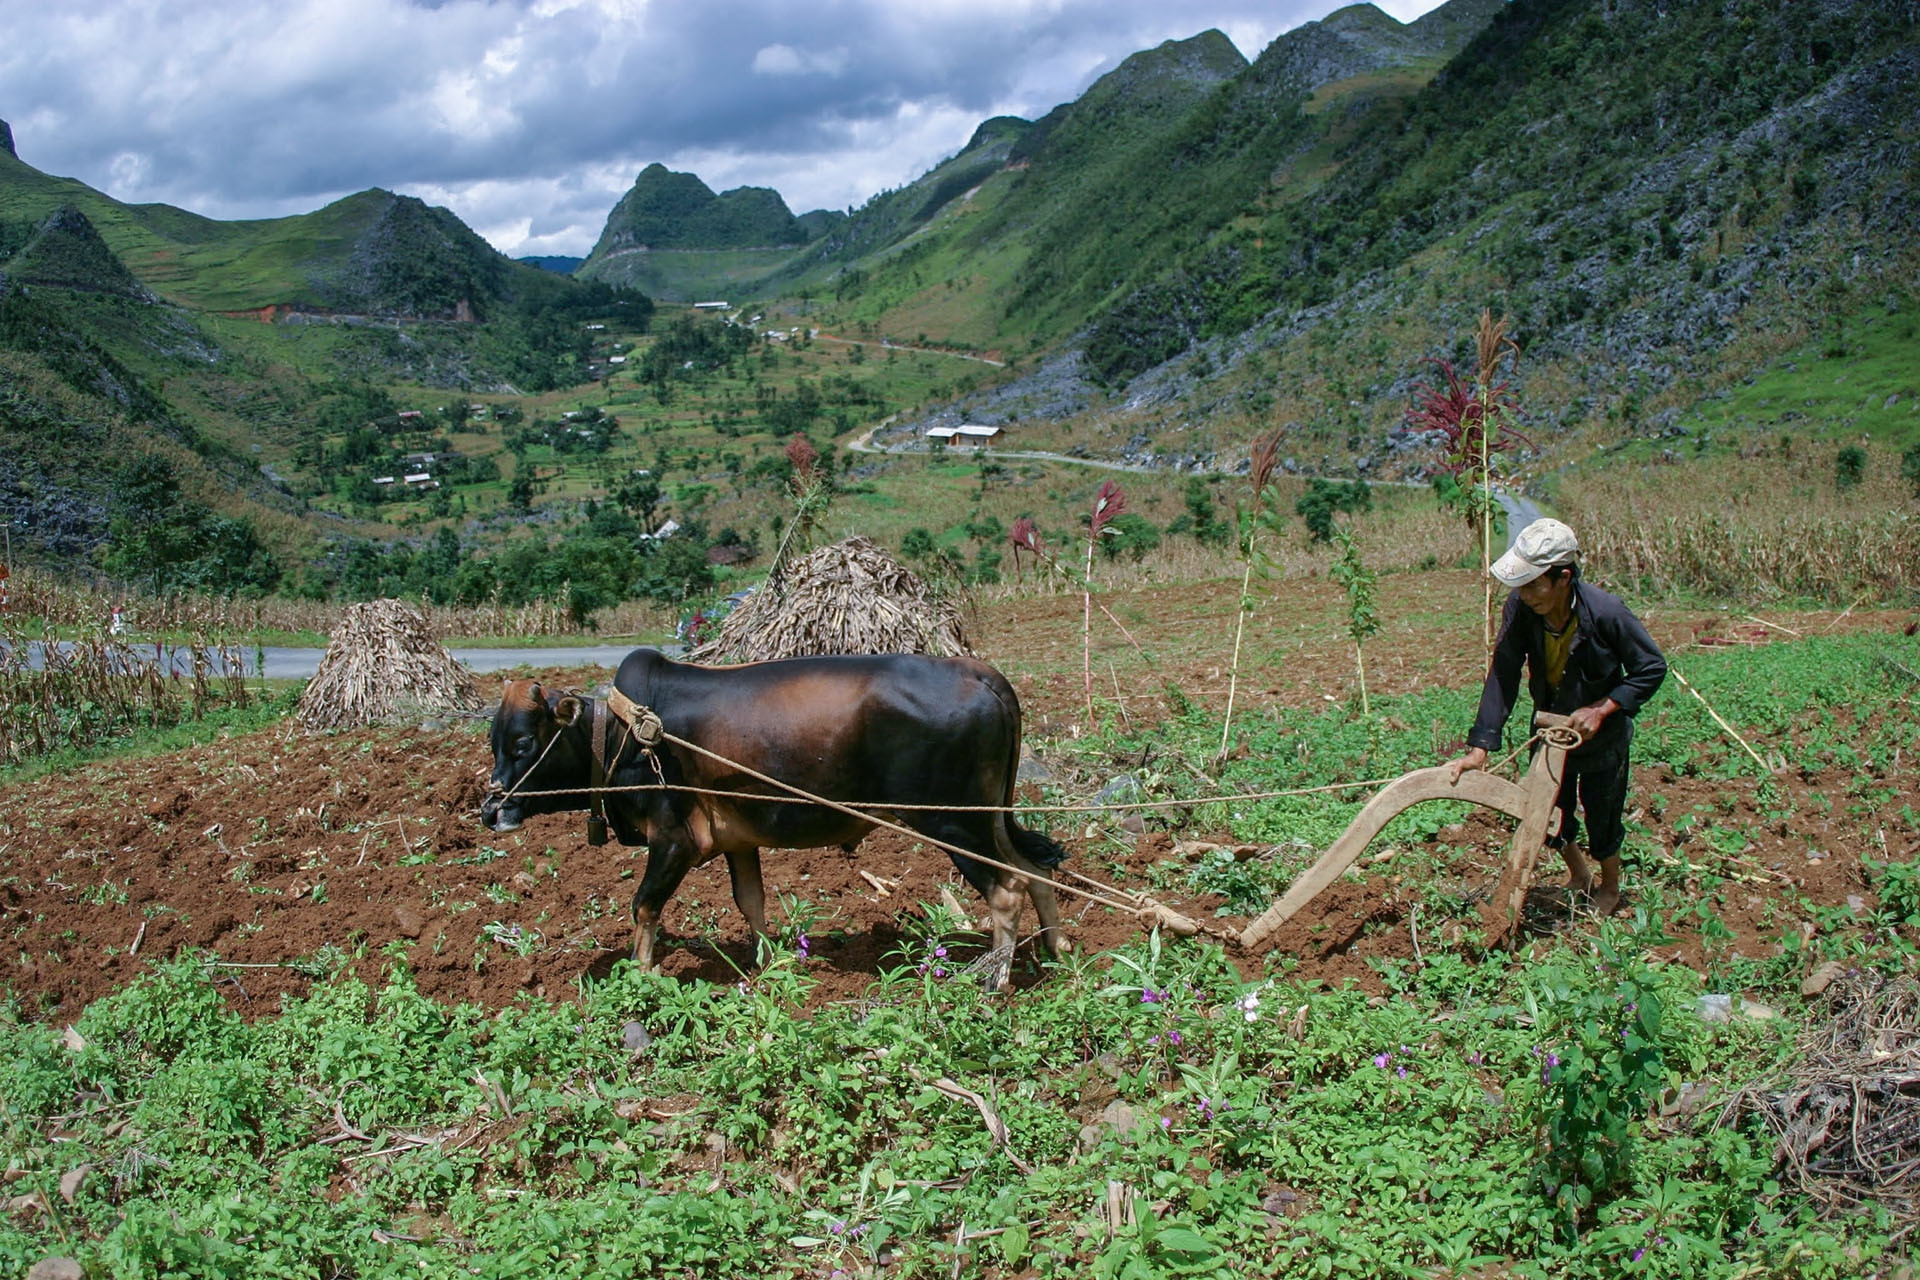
[(1587, 720), (1476, 758)]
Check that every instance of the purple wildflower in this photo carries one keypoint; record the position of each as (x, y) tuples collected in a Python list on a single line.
[(1402, 1072), (1639, 1253), (1173, 1037), (1381, 1060)]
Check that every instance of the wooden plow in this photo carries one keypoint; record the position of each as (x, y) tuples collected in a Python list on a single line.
[(1531, 800)]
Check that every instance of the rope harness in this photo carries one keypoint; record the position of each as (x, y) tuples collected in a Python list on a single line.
[(643, 727)]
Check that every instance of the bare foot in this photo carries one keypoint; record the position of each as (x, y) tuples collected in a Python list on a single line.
[(1606, 902)]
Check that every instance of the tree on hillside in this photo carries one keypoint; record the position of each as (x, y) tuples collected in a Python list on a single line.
[(173, 544), (639, 494)]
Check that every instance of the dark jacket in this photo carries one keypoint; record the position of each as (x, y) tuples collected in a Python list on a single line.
[(1612, 657)]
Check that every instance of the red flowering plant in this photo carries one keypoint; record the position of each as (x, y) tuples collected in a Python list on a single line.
[(812, 494), (1026, 537), (1475, 425)]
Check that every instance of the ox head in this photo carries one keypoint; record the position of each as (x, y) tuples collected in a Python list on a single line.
[(528, 754)]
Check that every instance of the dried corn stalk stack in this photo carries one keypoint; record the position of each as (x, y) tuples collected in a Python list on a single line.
[(383, 664), (851, 597), (1847, 1116)]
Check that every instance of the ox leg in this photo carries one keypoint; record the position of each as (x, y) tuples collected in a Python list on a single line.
[(1047, 907), (1053, 939), (749, 894), (668, 862), (1003, 910)]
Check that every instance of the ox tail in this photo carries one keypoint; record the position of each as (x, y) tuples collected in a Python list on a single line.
[(1040, 849)]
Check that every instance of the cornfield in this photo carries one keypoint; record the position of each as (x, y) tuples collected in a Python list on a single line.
[(63, 603), (1768, 528), (56, 694)]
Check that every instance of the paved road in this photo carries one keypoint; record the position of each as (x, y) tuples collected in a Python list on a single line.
[(300, 664)]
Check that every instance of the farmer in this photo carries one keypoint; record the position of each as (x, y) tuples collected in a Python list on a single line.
[(1588, 658)]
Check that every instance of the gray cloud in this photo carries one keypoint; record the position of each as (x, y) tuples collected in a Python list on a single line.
[(529, 118)]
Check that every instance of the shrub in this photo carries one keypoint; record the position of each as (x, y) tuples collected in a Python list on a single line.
[(1850, 467)]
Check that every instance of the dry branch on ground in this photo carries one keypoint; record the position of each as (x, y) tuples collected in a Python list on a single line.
[(1846, 1119)]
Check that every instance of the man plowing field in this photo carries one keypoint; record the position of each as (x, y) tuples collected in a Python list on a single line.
[(1588, 658)]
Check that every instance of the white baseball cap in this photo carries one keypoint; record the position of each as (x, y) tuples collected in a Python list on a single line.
[(1545, 544)]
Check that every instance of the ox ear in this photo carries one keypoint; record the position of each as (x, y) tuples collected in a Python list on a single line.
[(567, 710)]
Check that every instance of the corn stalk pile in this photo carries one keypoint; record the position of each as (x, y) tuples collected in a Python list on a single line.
[(1847, 1117), (850, 597), (383, 664)]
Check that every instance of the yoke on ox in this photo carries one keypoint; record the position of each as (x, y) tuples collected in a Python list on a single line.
[(870, 732)]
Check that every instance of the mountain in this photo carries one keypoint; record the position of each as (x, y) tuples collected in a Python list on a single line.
[(130, 338), (1658, 196), (668, 210), (1197, 250), (559, 264), (374, 253)]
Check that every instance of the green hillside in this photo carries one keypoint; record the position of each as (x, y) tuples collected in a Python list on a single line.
[(157, 428), (1700, 227)]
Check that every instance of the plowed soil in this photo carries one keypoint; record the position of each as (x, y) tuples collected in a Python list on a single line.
[(265, 851)]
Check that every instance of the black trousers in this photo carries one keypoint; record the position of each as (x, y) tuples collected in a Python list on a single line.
[(1597, 783)]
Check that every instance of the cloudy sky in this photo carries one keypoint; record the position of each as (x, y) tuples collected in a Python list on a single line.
[(530, 118)]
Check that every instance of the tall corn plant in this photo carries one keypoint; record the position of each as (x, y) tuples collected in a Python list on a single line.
[(1259, 515), (1107, 504), (1363, 618), (1025, 537), (1475, 425)]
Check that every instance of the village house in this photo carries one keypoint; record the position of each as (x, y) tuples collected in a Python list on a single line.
[(972, 434)]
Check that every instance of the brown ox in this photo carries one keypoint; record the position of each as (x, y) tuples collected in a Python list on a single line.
[(870, 732)]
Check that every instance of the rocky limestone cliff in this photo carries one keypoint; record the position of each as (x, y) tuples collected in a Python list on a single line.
[(66, 251)]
